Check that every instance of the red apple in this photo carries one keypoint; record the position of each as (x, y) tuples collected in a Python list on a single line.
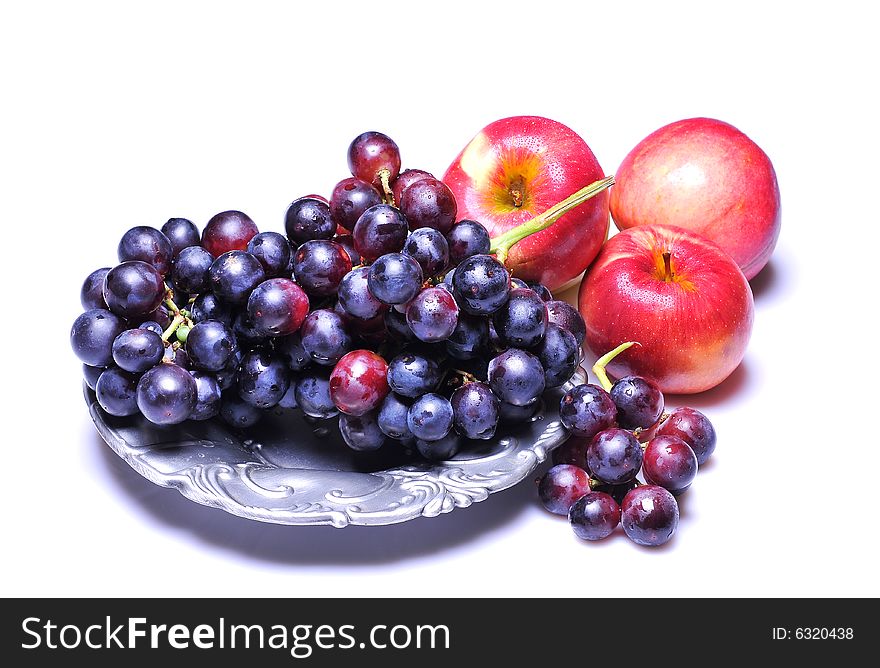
[(677, 294), (708, 177), (517, 168)]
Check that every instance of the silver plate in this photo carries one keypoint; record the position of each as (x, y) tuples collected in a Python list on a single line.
[(284, 471)]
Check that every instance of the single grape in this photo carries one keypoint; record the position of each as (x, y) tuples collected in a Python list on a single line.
[(559, 354), (516, 377), (228, 231), (566, 316), (649, 515), (522, 320), (542, 291), (561, 486), (137, 350), (237, 412), (405, 179), (429, 203), (313, 393), (246, 332), (481, 285), (133, 289), (639, 402), (430, 417), (190, 270), (372, 152), (573, 451), (307, 219), (614, 456), (395, 278), (347, 242), (92, 335), (210, 345), (234, 275), (146, 244), (227, 377), (670, 463), (263, 378), (440, 449), (181, 233), (207, 396), (469, 339), (475, 411), (512, 414), (290, 349), (208, 306), (466, 239), (412, 375), (694, 428), (519, 283), (325, 337), (91, 374), (350, 198), (361, 432), (289, 398), (116, 391), (392, 417), (273, 252), (91, 295), (160, 315), (277, 307), (355, 297), (396, 326), (166, 394), (319, 267), (359, 382), (429, 248), (586, 410), (432, 315), (381, 229), (178, 356), (594, 516)]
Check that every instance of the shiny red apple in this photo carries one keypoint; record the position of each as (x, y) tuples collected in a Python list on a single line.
[(708, 177), (517, 168), (676, 293)]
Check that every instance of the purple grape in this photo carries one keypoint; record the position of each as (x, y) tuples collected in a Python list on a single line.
[(573, 451), (207, 396), (313, 393), (395, 278), (228, 231), (319, 266), (441, 449), (542, 291), (429, 203), (290, 349), (649, 515), (307, 219), (432, 315), (116, 391), (594, 516), (277, 307), (380, 230), (586, 410), (91, 295), (347, 242), (516, 377), (467, 238), (190, 270), (133, 289), (91, 374), (372, 152), (475, 411), (396, 325), (234, 275), (430, 417), (273, 252), (639, 402), (522, 320), (481, 285), (469, 339), (559, 354), (566, 316), (670, 463), (361, 432), (181, 233), (237, 412), (561, 486), (350, 198), (166, 394), (614, 456), (429, 248), (148, 245), (208, 306), (355, 297), (392, 417), (412, 375), (210, 345), (262, 378), (405, 179), (137, 350), (325, 337), (512, 414), (92, 336), (694, 428)]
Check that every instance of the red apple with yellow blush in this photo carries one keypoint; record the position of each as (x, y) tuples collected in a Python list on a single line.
[(680, 296), (517, 168), (708, 177)]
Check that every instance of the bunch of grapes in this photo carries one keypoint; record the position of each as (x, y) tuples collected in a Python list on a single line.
[(377, 306), (616, 434)]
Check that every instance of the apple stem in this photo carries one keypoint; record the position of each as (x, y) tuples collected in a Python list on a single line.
[(385, 179), (602, 362), (667, 266), (502, 244)]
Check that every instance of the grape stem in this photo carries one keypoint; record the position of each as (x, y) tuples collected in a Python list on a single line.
[(178, 320), (180, 316), (385, 179), (602, 362), (502, 244)]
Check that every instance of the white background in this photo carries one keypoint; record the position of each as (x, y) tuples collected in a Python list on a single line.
[(116, 114)]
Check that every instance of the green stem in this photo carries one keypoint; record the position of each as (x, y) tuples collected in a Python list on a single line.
[(177, 322), (501, 244), (602, 362)]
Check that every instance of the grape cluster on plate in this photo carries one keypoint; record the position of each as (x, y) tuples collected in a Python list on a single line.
[(378, 306), (615, 435)]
